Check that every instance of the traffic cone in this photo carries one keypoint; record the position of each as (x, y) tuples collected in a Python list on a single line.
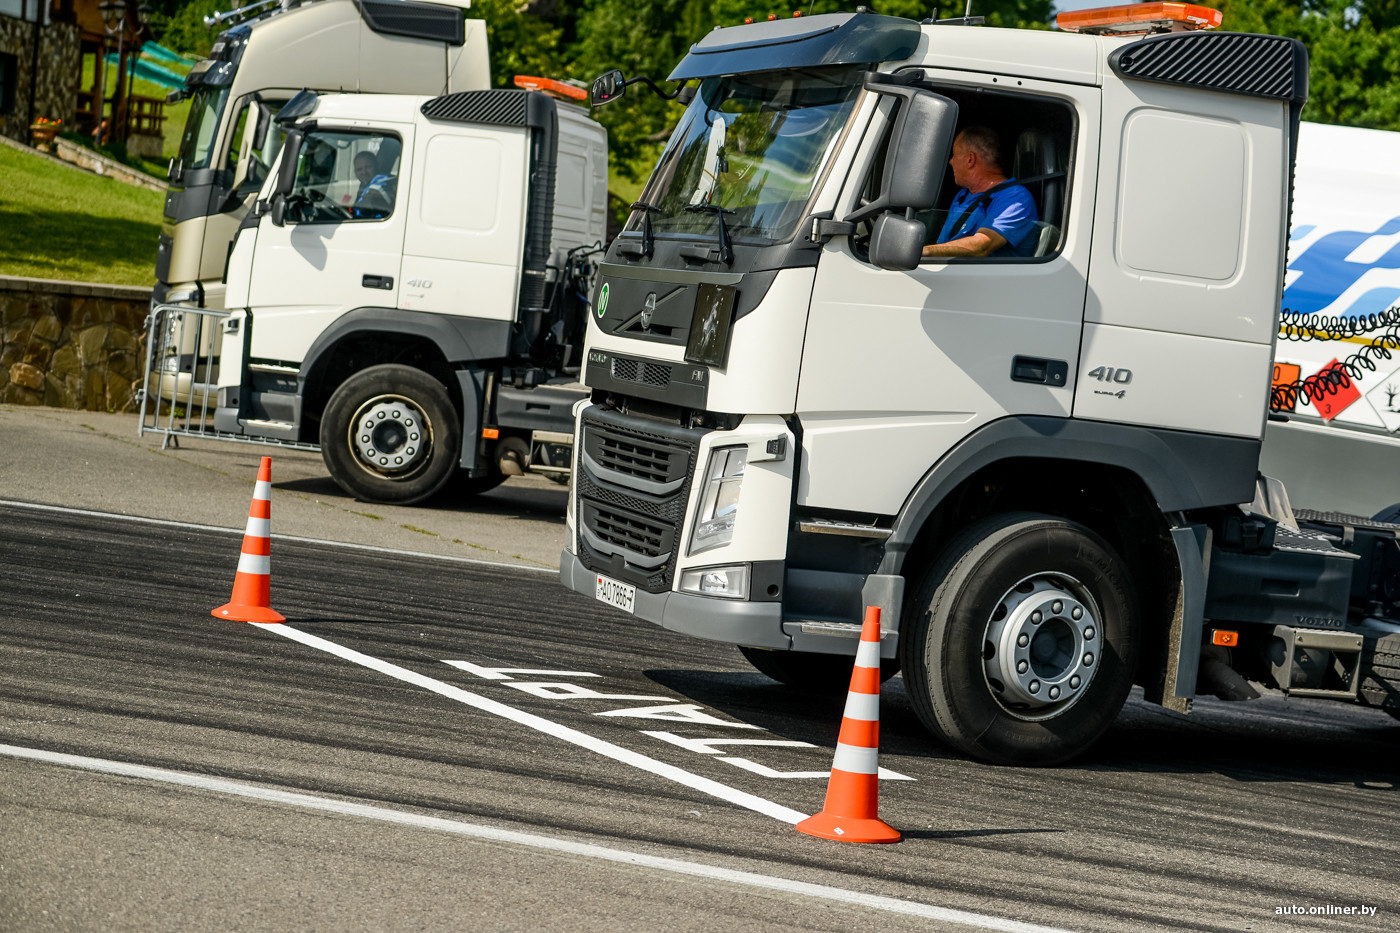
[(850, 812), (252, 585)]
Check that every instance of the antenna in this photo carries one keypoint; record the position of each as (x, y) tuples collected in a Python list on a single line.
[(218, 18), (967, 12)]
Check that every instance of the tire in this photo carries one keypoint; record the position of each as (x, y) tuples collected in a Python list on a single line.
[(975, 684), (408, 436), (1390, 515), (827, 674)]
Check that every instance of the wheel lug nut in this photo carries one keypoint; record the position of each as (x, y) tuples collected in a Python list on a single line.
[(1036, 617), (1023, 639), (1074, 682), (396, 413), (380, 415), (1054, 693), (1057, 607), (1034, 686), (1089, 633), (1078, 613), (413, 436), (398, 459), (1021, 667), (1088, 659)]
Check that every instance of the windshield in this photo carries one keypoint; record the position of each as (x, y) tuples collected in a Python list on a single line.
[(197, 145), (751, 144)]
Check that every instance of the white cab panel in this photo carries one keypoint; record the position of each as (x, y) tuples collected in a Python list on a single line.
[(765, 350), (1174, 381), (240, 269), (305, 275), (231, 330), (899, 367), (462, 252), (1195, 185)]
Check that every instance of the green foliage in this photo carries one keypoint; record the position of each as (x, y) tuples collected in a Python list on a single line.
[(1354, 50)]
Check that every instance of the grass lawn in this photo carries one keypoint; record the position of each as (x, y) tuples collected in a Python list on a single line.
[(63, 223)]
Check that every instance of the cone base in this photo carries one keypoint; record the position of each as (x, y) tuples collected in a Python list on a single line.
[(236, 613), (848, 828)]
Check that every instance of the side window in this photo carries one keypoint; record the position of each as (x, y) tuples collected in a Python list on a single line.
[(1004, 196), (345, 176), (1015, 187)]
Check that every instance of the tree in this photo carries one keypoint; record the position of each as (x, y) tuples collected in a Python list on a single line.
[(1353, 48)]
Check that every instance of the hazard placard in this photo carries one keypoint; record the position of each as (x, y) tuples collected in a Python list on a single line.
[(1332, 404), (1385, 400), (1286, 374)]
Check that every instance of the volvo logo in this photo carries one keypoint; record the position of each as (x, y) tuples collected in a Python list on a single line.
[(648, 309)]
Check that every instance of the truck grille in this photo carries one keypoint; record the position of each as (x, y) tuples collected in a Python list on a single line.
[(632, 487), (646, 372)]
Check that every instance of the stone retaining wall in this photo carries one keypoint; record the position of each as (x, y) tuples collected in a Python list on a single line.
[(71, 344), (99, 164)]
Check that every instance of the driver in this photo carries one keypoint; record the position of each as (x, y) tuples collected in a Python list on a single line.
[(375, 198), (991, 215)]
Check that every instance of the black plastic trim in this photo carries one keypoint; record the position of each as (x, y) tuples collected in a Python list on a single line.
[(800, 42), (1275, 67), (686, 384), (1182, 470), (414, 20)]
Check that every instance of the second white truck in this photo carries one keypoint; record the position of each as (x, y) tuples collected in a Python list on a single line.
[(409, 292)]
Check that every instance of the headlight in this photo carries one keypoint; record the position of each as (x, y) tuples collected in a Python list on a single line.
[(723, 582), (719, 501)]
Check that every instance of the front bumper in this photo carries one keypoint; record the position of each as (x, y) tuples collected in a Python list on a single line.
[(759, 625)]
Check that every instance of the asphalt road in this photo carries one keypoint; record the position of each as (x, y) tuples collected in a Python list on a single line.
[(335, 773)]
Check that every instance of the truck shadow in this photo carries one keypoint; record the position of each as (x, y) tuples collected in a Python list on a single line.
[(1276, 740)]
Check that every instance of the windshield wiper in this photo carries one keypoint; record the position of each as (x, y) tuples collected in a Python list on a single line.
[(726, 251), (648, 238)]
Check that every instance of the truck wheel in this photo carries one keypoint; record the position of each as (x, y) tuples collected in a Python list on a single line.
[(809, 671), (1022, 641), (391, 434)]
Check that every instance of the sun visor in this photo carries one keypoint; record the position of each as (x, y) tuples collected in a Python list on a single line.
[(800, 42)]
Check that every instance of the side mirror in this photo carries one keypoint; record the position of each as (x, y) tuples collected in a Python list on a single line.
[(919, 150), (919, 146), (279, 209), (607, 87), (287, 168), (897, 243)]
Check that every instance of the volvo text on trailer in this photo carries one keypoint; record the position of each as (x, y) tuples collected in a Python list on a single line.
[(1044, 469)]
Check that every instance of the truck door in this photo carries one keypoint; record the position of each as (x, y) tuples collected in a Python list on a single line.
[(953, 344), (341, 245)]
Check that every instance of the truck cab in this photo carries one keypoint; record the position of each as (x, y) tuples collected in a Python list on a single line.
[(408, 294), (230, 140), (1041, 465)]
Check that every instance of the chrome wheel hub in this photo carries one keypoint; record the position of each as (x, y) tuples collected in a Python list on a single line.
[(390, 436), (1042, 646)]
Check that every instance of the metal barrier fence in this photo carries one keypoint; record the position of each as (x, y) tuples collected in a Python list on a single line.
[(180, 388)]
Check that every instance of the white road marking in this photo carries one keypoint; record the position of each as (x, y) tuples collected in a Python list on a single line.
[(583, 740), (503, 673), (531, 840), (38, 507), (707, 746)]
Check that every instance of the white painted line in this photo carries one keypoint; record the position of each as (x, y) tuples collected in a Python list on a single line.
[(531, 840), (583, 740), (39, 507), (503, 673)]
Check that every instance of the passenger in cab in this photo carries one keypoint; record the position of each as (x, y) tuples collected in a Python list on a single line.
[(992, 215)]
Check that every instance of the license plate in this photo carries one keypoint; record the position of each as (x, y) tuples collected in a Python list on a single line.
[(615, 594)]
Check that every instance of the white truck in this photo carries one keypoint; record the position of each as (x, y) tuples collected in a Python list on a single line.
[(409, 292), (254, 68), (1043, 469)]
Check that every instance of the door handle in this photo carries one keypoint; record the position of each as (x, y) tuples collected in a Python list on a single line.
[(1043, 372), (377, 281)]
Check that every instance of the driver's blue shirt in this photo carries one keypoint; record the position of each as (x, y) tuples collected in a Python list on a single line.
[(375, 199), (1010, 211)]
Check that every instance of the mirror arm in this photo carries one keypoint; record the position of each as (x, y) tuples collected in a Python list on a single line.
[(643, 79)]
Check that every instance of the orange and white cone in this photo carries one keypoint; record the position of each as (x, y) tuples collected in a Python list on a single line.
[(252, 585), (852, 793)]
